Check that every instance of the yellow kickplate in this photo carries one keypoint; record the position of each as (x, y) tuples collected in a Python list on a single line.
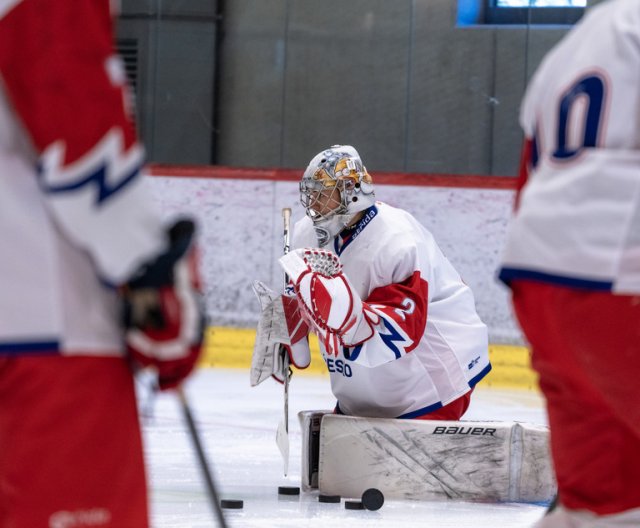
[(227, 347)]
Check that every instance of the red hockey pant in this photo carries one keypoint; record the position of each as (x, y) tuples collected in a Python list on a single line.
[(586, 350), (70, 446), (451, 411)]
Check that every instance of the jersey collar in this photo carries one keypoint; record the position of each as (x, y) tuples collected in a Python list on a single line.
[(349, 234)]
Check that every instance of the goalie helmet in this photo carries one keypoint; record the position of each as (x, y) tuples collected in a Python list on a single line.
[(334, 188)]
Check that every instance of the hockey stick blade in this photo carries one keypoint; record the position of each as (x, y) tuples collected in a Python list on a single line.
[(282, 439)]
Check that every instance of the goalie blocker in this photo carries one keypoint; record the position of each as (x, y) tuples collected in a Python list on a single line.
[(429, 460), (281, 330)]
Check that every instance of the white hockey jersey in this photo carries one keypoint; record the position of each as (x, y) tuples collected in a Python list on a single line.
[(75, 214), (430, 346), (578, 219)]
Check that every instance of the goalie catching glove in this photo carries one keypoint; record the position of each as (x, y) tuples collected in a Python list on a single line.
[(327, 298), (281, 330), (163, 310)]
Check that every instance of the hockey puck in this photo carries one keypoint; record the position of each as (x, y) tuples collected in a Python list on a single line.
[(353, 505), (288, 490), (232, 504), (329, 498), (372, 499)]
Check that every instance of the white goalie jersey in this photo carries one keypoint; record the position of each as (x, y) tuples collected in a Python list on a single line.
[(581, 162), (419, 344)]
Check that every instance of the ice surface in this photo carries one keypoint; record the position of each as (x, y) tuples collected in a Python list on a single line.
[(237, 425)]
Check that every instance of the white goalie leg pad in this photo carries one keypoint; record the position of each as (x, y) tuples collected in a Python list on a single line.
[(427, 460), (326, 295), (563, 518)]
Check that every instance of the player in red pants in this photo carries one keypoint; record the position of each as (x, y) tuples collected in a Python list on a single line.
[(92, 284), (584, 344), (572, 260)]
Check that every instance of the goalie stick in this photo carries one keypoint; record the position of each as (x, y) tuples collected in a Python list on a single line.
[(282, 433)]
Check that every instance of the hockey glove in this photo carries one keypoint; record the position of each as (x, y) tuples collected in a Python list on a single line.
[(163, 310), (281, 330), (327, 298)]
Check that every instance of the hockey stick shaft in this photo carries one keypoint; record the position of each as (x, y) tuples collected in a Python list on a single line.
[(286, 236), (286, 220), (282, 433), (202, 459)]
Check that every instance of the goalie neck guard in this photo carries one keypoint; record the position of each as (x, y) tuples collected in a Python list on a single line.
[(334, 188)]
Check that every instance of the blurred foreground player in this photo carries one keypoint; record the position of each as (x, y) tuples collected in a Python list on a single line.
[(397, 327), (572, 260), (78, 237)]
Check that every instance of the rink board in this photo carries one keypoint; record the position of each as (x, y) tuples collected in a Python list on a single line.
[(427, 460), (228, 347)]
